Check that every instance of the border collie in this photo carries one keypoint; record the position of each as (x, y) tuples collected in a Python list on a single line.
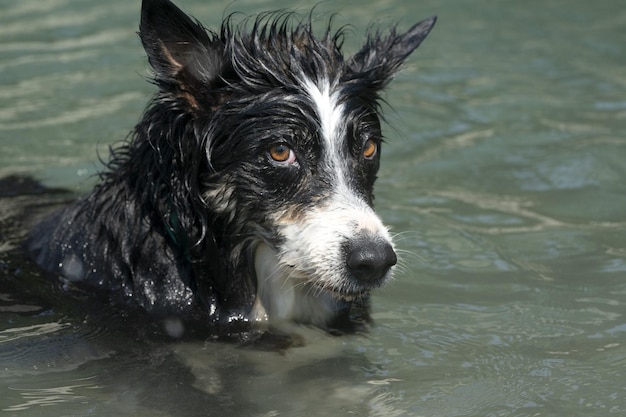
[(245, 192)]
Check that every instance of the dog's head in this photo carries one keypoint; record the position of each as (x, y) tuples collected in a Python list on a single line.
[(290, 130)]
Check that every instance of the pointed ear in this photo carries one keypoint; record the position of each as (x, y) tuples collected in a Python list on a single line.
[(381, 58), (186, 58)]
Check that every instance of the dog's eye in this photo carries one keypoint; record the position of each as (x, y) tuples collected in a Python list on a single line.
[(370, 148), (282, 153)]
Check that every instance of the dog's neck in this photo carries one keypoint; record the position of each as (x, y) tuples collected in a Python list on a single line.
[(281, 298)]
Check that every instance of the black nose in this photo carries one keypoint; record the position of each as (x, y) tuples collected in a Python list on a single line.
[(369, 260)]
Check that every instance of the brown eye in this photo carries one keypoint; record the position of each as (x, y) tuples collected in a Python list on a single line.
[(369, 149), (282, 153)]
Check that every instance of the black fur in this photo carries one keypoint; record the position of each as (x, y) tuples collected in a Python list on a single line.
[(149, 233)]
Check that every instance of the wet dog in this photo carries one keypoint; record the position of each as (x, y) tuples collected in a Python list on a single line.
[(245, 192)]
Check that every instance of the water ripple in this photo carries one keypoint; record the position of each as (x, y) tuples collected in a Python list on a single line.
[(98, 108)]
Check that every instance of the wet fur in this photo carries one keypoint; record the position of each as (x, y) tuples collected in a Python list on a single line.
[(192, 218)]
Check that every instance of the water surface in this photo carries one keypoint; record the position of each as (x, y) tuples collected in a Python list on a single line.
[(503, 178)]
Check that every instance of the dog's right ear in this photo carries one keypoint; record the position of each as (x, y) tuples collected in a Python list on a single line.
[(381, 57), (186, 58)]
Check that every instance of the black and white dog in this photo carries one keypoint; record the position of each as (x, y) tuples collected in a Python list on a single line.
[(245, 192)]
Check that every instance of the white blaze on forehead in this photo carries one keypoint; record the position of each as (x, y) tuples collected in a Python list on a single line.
[(349, 211), (330, 114)]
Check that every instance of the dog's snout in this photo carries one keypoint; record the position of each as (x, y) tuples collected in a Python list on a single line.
[(369, 260)]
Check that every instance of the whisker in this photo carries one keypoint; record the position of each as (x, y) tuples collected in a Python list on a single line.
[(404, 254)]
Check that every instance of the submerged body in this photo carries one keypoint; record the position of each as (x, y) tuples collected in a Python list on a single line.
[(246, 191)]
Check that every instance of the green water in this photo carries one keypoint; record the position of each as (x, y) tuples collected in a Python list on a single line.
[(504, 179)]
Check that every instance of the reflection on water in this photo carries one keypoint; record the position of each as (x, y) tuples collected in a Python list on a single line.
[(43, 397), (503, 177)]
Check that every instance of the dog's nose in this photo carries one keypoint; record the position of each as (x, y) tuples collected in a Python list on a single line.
[(369, 260)]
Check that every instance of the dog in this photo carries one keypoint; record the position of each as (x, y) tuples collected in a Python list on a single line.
[(245, 192)]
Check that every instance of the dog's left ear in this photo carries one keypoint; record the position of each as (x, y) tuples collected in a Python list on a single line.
[(186, 58), (381, 58)]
